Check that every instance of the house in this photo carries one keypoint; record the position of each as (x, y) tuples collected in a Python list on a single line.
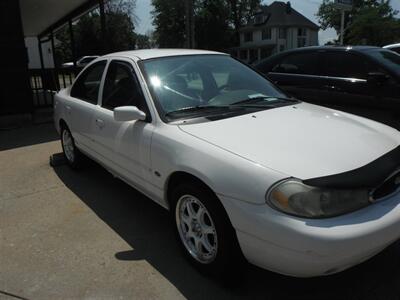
[(275, 28)]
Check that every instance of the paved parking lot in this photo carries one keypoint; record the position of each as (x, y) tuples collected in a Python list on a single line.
[(86, 235)]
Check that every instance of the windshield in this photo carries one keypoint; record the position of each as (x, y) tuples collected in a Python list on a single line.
[(196, 85), (388, 58)]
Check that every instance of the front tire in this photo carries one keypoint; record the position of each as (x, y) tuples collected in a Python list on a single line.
[(204, 231), (71, 153)]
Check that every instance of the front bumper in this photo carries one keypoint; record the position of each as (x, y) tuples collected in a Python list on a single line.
[(313, 247)]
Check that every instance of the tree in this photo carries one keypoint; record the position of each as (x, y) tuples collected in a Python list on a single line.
[(217, 22), (374, 26), (169, 23), (240, 13), (142, 41), (120, 35), (368, 22), (212, 27)]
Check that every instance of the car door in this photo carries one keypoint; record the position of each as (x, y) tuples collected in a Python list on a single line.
[(296, 74), (386, 83), (344, 82), (82, 102), (124, 147), (347, 86)]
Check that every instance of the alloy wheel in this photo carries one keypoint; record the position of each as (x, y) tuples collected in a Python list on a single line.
[(196, 229), (68, 145)]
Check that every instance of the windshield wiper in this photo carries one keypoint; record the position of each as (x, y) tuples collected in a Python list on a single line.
[(198, 108), (265, 100)]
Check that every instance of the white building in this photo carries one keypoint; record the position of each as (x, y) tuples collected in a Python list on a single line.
[(273, 29)]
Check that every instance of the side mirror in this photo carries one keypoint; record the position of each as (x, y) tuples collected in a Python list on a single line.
[(377, 78), (128, 113)]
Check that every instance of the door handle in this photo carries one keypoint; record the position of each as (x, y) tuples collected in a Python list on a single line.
[(100, 123), (68, 108)]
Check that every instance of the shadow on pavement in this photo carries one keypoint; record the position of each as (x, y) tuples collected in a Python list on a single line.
[(27, 136), (147, 228)]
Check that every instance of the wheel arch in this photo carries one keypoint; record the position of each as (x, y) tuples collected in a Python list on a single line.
[(177, 177), (62, 123), (182, 176)]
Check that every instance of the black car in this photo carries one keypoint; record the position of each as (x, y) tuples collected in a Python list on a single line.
[(360, 80)]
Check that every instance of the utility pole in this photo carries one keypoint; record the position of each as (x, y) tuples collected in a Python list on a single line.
[(189, 24), (343, 5), (342, 28)]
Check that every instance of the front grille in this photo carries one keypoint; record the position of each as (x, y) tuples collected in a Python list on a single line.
[(390, 186)]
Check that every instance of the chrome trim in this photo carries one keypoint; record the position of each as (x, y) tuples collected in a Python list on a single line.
[(319, 77)]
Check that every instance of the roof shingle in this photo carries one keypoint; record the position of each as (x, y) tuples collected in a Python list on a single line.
[(281, 14)]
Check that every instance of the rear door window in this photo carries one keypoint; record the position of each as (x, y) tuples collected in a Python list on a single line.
[(87, 86), (346, 65), (305, 63)]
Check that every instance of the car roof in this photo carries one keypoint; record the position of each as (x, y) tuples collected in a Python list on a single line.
[(155, 53), (343, 48), (392, 46), (317, 48)]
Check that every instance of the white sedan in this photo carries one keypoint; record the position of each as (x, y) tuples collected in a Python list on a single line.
[(245, 171)]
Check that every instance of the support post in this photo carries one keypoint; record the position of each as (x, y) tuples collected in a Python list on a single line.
[(71, 35), (342, 28), (42, 71), (103, 27), (53, 50)]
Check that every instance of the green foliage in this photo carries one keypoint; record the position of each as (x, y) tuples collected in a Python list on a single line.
[(212, 28), (145, 41), (217, 22), (374, 26), (169, 22), (88, 37), (370, 22), (240, 13)]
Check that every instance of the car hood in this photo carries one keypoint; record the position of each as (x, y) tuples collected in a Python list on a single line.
[(303, 140)]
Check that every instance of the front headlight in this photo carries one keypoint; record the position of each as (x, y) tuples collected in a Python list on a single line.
[(293, 197)]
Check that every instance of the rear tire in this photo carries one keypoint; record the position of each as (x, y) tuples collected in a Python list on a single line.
[(72, 155), (204, 231)]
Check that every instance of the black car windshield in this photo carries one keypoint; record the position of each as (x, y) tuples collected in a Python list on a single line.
[(198, 85), (388, 58)]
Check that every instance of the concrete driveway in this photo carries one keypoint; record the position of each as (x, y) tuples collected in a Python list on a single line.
[(86, 235)]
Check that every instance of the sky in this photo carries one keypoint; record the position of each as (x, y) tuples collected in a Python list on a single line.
[(306, 7)]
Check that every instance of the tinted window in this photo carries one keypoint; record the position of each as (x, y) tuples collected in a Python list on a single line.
[(298, 63), (388, 58), (87, 85), (121, 87), (346, 65), (396, 49)]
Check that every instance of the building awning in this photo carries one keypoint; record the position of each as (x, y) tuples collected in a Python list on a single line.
[(41, 16)]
